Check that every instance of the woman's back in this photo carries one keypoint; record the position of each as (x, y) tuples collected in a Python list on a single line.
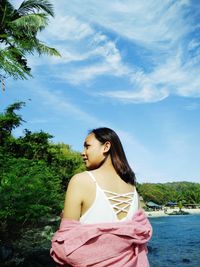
[(108, 199)]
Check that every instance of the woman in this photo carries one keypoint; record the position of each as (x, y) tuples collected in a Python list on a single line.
[(101, 209)]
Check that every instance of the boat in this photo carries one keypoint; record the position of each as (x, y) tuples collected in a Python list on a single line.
[(179, 212)]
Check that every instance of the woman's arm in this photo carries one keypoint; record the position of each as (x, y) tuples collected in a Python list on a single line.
[(73, 199)]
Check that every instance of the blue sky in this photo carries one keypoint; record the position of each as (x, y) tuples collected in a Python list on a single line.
[(130, 65)]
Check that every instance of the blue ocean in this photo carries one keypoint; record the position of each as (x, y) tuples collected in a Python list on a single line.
[(175, 241)]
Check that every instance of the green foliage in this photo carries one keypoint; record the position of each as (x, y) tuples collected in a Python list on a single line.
[(184, 192), (34, 172), (33, 145), (29, 190), (9, 120), (67, 168), (18, 35), (180, 205)]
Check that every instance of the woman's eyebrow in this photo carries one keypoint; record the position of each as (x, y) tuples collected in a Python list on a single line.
[(85, 143)]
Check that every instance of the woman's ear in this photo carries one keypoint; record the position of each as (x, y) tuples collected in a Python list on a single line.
[(107, 146)]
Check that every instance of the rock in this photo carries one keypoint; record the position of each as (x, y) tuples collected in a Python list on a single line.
[(30, 249), (186, 260), (38, 258), (35, 258), (6, 252)]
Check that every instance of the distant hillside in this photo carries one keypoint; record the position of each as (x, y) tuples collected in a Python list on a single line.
[(159, 193)]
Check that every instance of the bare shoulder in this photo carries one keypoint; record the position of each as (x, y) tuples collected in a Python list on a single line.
[(79, 179), (79, 187), (75, 196)]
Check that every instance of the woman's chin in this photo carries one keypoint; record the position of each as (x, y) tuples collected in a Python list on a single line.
[(90, 167)]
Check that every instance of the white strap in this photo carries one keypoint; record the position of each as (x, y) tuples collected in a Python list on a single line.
[(92, 176)]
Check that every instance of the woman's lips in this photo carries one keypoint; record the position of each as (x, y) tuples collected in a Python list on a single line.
[(85, 159)]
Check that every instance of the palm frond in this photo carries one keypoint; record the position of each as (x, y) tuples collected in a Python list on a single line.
[(18, 35), (31, 23), (11, 67), (34, 45), (28, 6), (6, 10), (43, 49)]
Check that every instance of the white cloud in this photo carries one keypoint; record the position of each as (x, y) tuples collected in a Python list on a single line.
[(85, 74), (108, 66), (79, 42), (144, 95), (105, 56), (148, 22), (68, 28), (172, 77), (80, 33)]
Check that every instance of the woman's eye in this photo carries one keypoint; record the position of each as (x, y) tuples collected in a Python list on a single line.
[(86, 146)]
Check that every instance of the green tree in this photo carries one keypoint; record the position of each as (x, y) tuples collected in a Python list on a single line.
[(66, 161), (33, 145), (184, 192), (29, 190), (9, 120), (34, 172), (18, 35), (180, 205)]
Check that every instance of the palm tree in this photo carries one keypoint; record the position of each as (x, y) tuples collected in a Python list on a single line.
[(18, 35), (180, 205)]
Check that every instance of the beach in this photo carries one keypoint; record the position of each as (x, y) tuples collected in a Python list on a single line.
[(160, 213)]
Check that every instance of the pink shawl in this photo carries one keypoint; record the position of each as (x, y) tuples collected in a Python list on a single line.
[(105, 244)]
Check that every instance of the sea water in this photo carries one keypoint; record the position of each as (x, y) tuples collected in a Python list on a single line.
[(175, 241)]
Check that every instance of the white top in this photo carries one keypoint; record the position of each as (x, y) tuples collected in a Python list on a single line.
[(108, 204)]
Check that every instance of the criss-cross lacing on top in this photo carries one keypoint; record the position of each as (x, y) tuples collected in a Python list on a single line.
[(119, 202)]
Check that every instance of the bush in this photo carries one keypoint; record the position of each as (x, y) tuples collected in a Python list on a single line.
[(29, 190)]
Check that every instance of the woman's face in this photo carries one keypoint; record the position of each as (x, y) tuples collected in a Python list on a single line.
[(93, 153)]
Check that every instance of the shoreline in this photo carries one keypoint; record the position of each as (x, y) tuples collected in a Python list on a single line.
[(161, 213)]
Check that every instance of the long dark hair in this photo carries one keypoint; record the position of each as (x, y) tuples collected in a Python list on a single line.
[(116, 152)]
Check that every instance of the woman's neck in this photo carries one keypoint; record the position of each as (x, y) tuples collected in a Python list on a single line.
[(107, 166)]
